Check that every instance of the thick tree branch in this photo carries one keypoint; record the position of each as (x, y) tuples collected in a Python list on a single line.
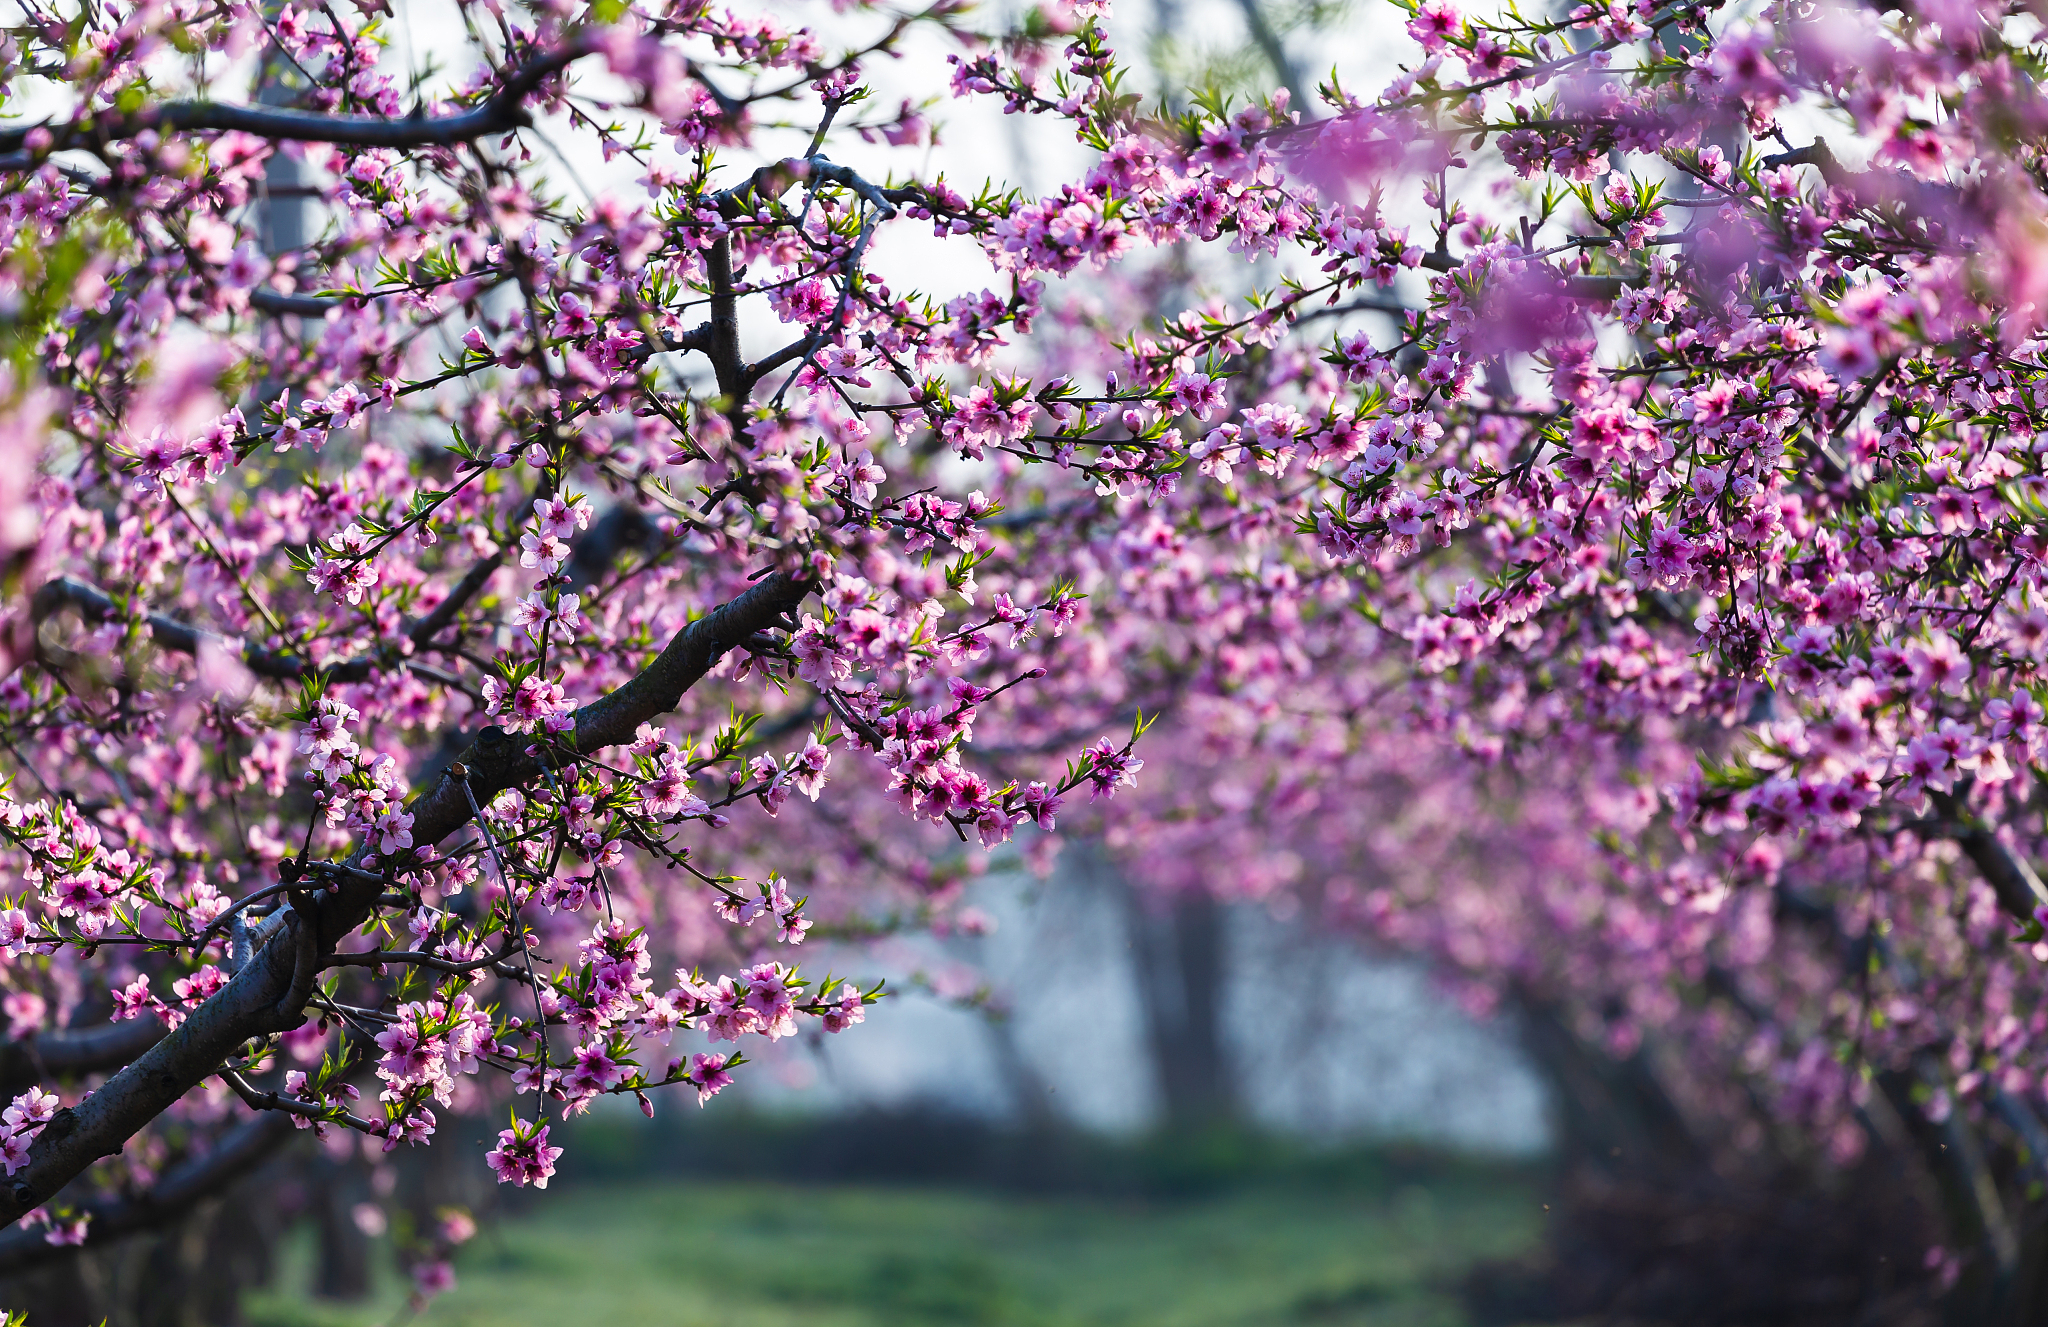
[(31, 1060), (95, 605), (727, 363), (269, 993), (796, 349), (186, 1185), (496, 760), (502, 112), (2010, 875)]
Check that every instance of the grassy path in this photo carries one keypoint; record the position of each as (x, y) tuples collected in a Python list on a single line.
[(762, 1255)]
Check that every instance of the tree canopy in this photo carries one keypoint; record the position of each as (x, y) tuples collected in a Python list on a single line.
[(1576, 509)]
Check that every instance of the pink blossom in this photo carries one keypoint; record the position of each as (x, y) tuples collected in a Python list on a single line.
[(523, 1156), (708, 1075)]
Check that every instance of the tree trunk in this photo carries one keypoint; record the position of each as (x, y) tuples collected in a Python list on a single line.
[(1180, 963)]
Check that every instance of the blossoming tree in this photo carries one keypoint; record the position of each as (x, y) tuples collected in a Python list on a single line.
[(327, 726), (405, 616)]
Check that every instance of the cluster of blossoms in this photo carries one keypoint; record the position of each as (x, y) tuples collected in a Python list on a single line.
[(425, 1046), (24, 1118), (529, 699), (523, 1156), (363, 792)]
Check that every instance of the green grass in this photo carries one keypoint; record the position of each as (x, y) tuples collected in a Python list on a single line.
[(766, 1255)]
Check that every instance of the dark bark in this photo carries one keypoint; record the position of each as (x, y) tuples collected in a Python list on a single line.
[(27, 1061), (2010, 875), (306, 306), (727, 363)]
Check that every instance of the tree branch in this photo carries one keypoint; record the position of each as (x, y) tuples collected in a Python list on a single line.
[(375, 958), (96, 605), (2010, 875), (501, 113), (1817, 154), (99, 1126), (497, 761), (30, 1060), (186, 1185), (266, 300), (727, 363), (427, 628), (796, 349), (256, 1098)]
